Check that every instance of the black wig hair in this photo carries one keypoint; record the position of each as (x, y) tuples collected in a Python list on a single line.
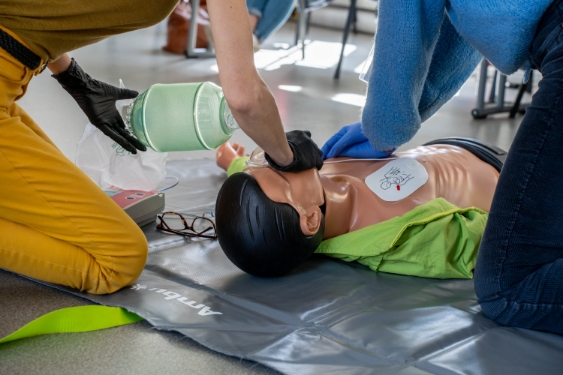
[(260, 236)]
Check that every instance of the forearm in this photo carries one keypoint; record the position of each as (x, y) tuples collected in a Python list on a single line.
[(60, 65), (401, 61), (249, 99), (453, 61), (262, 123)]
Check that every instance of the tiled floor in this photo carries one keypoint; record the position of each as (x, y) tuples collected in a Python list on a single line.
[(308, 98)]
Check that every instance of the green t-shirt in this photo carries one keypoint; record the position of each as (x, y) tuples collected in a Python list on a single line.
[(437, 239)]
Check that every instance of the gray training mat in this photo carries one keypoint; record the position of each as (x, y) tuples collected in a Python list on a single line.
[(328, 316)]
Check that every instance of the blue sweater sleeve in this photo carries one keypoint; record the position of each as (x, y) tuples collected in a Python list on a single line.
[(419, 63), (453, 61)]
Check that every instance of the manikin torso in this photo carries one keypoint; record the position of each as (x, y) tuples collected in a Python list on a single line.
[(453, 174)]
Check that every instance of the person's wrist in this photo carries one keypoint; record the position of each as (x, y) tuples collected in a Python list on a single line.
[(73, 79), (284, 157), (60, 65), (63, 75), (284, 161)]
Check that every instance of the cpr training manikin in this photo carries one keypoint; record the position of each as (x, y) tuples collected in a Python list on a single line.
[(421, 212)]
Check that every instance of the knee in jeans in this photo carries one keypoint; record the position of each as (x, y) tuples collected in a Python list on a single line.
[(501, 308), (492, 307), (509, 313), (483, 280), (492, 302)]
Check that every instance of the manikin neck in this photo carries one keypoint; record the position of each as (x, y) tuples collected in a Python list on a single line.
[(340, 201)]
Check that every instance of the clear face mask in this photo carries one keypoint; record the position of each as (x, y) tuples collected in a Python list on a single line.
[(257, 159)]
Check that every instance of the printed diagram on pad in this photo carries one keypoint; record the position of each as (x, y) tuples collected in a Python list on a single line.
[(397, 179)]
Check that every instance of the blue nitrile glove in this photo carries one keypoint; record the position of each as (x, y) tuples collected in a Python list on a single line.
[(350, 141)]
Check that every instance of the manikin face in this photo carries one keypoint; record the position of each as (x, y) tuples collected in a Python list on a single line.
[(302, 190)]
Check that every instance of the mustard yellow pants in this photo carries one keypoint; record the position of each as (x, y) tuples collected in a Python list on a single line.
[(56, 225)]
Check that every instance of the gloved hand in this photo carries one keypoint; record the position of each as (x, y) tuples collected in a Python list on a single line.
[(350, 141), (97, 100), (306, 153)]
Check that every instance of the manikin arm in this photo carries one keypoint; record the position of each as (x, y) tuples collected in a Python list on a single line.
[(227, 153)]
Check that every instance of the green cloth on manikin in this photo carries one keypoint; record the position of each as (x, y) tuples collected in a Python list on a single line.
[(437, 239), (74, 319), (237, 165)]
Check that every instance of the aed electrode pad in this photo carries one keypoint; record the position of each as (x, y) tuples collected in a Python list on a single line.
[(397, 179)]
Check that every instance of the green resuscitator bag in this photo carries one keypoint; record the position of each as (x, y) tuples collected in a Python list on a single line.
[(181, 117)]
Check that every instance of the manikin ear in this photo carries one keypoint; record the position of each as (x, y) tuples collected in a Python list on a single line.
[(311, 221)]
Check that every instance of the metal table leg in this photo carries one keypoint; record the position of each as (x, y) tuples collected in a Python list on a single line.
[(351, 15), (191, 50), (482, 110), (481, 89), (302, 25)]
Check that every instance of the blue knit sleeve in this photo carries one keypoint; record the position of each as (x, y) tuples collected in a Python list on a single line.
[(416, 69), (453, 61)]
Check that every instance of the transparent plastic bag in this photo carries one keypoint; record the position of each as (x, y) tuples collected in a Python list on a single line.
[(366, 69), (108, 164)]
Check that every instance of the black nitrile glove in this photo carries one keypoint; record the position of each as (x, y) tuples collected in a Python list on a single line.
[(306, 154), (97, 100)]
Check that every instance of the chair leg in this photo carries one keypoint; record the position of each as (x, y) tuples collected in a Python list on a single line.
[(302, 25), (501, 90), (516, 107), (530, 82), (191, 50), (351, 13), (297, 31), (355, 22), (306, 28), (493, 88), (192, 33), (481, 89)]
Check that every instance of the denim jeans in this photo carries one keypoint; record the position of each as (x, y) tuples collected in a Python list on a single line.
[(519, 271), (272, 15)]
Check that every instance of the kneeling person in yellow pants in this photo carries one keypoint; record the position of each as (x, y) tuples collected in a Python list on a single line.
[(56, 225)]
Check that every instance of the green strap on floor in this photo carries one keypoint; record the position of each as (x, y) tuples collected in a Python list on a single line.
[(75, 319)]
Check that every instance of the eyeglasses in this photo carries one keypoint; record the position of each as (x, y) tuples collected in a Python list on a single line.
[(187, 225)]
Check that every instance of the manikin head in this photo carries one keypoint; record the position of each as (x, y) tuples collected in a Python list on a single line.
[(269, 235)]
